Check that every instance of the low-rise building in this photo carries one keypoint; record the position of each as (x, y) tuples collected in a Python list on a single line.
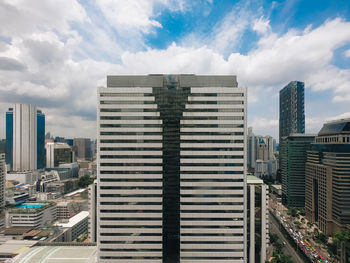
[(74, 227), (32, 214), (67, 209)]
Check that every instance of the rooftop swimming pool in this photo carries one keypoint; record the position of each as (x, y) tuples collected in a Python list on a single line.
[(30, 205)]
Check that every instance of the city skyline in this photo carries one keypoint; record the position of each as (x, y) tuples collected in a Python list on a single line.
[(54, 56)]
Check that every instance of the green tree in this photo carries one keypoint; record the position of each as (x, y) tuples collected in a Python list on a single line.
[(292, 211), (85, 181), (281, 258)]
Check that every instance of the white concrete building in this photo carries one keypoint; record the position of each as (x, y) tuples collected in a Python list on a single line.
[(73, 227), (258, 197), (32, 215), (171, 169), (24, 137)]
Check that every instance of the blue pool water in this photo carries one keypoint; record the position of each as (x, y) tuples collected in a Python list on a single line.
[(30, 205)]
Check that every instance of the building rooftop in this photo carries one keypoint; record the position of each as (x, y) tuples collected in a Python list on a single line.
[(335, 127), (251, 179), (59, 254), (75, 192), (75, 219), (12, 248)]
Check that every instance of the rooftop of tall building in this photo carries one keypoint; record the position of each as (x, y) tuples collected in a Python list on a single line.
[(335, 127)]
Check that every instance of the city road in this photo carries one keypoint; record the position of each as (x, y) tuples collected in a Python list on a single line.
[(288, 248)]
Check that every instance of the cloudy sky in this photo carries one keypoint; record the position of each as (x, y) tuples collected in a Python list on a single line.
[(54, 53)]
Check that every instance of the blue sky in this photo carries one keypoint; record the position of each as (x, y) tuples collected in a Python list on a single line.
[(55, 53)]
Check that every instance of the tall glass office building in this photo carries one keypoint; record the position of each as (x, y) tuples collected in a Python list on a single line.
[(171, 169), (40, 139), (292, 116)]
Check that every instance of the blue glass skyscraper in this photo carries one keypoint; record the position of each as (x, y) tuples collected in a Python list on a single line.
[(40, 140), (9, 137)]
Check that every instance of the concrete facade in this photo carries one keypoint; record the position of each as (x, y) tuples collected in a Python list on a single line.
[(258, 219), (327, 197), (171, 169), (32, 217), (24, 137)]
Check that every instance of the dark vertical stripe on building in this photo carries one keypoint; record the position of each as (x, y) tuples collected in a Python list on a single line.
[(171, 100)]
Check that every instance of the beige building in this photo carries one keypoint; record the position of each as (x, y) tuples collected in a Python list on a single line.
[(327, 183), (67, 209)]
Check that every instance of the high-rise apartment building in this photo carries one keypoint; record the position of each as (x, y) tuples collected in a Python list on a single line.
[(327, 196), (292, 116), (293, 159), (82, 147), (25, 130), (171, 169)]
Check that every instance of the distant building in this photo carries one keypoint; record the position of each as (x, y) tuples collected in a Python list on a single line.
[(25, 138), (32, 215), (58, 153), (67, 209), (251, 148), (82, 147), (258, 218), (328, 178), (293, 158), (74, 227), (292, 116), (265, 148), (2, 146), (40, 140)]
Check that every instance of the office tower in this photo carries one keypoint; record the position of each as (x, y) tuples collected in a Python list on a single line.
[(82, 147), (258, 218), (58, 153), (24, 137), (251, 148), (40, 139), (293, 159), (9, 137), (327, 196), (292, 117), (171, 169), (24, 127)]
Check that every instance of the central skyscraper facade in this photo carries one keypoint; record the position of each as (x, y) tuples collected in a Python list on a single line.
[(171, 169)]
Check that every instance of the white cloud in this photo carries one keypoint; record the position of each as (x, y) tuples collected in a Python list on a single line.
[(261, 25), (347, 53), (58, 65)]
